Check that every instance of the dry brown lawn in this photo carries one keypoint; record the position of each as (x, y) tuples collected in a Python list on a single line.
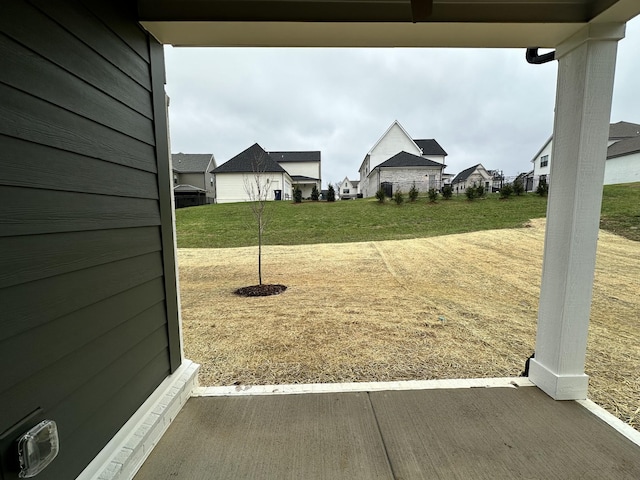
[(457, 306)]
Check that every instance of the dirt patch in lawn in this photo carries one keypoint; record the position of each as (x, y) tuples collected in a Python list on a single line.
[(457, 306)]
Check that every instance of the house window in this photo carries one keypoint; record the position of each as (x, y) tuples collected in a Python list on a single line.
[(212, 181), (544, 160), (175, 179), (345, 190)]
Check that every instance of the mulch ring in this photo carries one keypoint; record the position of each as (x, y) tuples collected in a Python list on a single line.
[(260, 290)]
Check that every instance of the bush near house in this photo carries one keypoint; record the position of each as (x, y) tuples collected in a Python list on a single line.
[(297, 195), (447, 192), (380, 196), (398, 197), (315, 194), (518, 187), (413, 193), (543, 188), (331, 194), (506, 190), (433, 195), (470, 193)]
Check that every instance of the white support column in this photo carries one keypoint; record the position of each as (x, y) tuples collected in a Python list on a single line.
[(581, 130)]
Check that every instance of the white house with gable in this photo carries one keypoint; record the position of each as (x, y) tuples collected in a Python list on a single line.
[(622, 160), (303, 167), (394, 141), (348, 189), (235, 179)]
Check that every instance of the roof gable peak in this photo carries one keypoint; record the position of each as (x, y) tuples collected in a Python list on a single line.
[(395, 123)]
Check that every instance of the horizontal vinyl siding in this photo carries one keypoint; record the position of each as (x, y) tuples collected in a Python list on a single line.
[(232, 187), (624, 169), (83, 279)]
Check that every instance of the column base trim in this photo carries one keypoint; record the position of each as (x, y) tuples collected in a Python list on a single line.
[(558, 387)]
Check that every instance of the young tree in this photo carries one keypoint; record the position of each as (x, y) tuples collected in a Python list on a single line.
[(297, 195), (331, 194), (413, 193), (543, 187), (380, 195), (315, 194), (433, 195), (470, 192), (447, 192), (506, 191), (256, 186), (398, 197), (518, 187)]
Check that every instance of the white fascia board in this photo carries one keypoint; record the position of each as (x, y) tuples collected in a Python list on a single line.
[(541, 149)]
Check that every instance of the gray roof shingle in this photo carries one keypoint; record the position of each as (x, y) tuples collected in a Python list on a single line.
[(191, 162), (404, 159), (623, 130), (430, 147), (463, 175), (624, 147), (310, 156), (252, 159), (302, 178)]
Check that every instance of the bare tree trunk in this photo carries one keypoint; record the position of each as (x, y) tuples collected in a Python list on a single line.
[(257, 188), (259, 253)]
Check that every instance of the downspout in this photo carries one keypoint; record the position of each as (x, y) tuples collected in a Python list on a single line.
[(535, 59)]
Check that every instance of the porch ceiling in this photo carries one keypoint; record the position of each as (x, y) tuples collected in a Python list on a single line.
[(375, 23)]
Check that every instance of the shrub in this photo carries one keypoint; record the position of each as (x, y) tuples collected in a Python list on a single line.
[(543, 188), (470, 192), (315, 194), (398, 197), (518, 187), (480, 191), (380, 195), (433, 195), (413, 193), (331, 194), (447, 192), (506, 190), (297, 195)]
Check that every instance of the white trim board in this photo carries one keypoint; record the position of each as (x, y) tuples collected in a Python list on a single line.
[(296, 389)]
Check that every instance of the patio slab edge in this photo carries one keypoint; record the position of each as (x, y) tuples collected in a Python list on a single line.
[(614, 422), (297, 389)]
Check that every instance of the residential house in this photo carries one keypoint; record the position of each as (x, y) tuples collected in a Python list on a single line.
[(304, 168), (472, 177), (541, 164), (91, 332), (348, 189), (622, 159), (392, 142), (404, 170), (192, 181), (526, 179), (623, 154), (447, 178), (235, 178), (497, 180)]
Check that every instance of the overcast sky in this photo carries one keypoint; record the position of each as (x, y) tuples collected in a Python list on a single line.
[(482, 106)]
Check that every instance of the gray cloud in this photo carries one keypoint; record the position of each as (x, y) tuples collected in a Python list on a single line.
[(483, 106)]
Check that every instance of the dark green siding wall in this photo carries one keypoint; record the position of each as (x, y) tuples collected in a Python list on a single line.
[(88, 315)]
